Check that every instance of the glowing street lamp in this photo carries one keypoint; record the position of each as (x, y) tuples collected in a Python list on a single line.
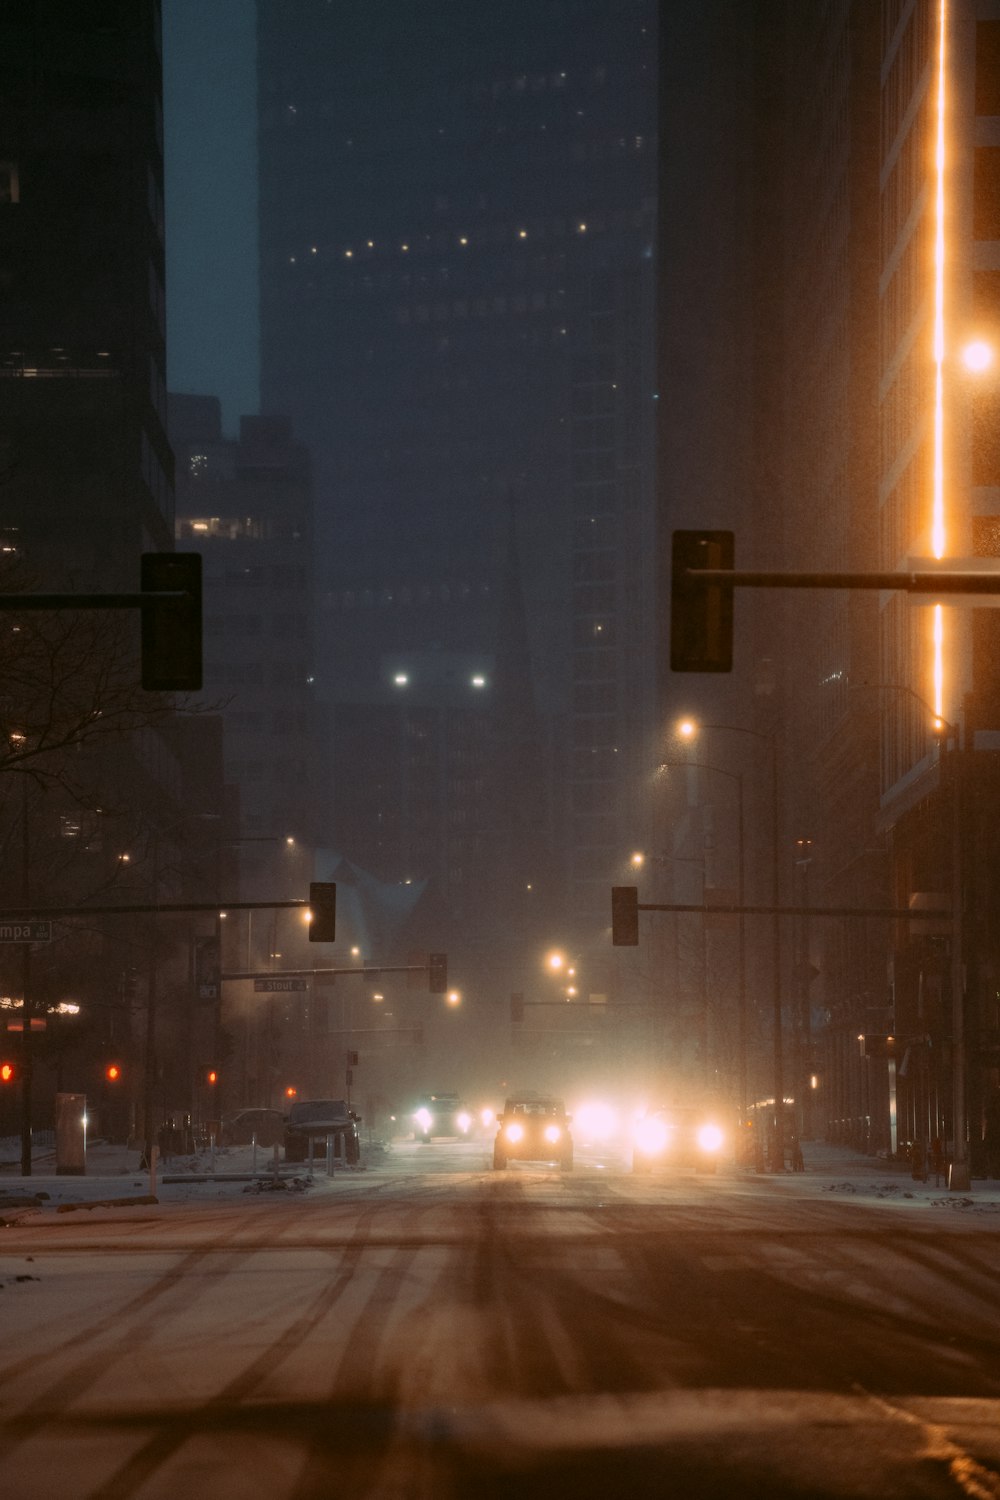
[(688, 729), (978, 356)]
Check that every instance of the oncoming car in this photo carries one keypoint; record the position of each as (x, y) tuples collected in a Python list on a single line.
[(671, 1137), (441, 1115), (533, 1129)]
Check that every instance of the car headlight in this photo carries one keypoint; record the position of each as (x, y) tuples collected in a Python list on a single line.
[(651, 1135), (552, 1134), (423, 1118), (514, 1132), (463, 1121), (596, 1121), (710, 1138)]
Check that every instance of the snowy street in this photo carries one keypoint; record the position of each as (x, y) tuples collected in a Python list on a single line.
[(426, 1326)]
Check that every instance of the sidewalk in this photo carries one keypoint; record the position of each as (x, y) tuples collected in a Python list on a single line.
[(114, 1177), (838, 1170)]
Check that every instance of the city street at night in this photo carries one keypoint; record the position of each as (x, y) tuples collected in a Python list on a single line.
[(427, 1326)]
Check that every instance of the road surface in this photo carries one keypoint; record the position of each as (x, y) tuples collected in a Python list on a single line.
[(431, 1328)]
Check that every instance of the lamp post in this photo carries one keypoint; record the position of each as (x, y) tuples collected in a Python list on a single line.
[(736, 777), (688, 730), (959, 1176)]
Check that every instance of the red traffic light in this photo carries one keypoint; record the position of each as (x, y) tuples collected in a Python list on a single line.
[(8, 1072), (113, 1072), (211, 1076)]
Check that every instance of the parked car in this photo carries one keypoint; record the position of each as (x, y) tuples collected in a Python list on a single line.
[(441, 1114), (310, 1121), (534, 1129), (266, 1126), (671, 1137)]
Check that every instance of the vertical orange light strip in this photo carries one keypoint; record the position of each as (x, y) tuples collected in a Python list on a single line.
[(938, 530)]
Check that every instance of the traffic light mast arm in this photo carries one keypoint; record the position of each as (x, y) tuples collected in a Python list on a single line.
[(913, 582)]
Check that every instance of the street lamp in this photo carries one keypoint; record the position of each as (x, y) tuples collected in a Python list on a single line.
[(688, 729), (736, 777)]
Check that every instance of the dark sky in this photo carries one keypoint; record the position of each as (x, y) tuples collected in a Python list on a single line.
[(209, 91)]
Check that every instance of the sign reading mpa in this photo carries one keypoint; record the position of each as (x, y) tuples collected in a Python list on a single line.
[(25, 932)]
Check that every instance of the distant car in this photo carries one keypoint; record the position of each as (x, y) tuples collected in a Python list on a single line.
[(441, 1115), (671, 1137), (534, 1129), (266, 1126), (310, 1121)]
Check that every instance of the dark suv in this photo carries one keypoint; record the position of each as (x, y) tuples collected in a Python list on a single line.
[(310, 1121), (533, 1129)]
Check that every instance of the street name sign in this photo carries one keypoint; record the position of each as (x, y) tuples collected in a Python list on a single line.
[(278, 986), (25, 932)]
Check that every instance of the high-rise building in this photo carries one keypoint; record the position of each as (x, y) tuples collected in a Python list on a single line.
[(82, 349), (117, 797), (246, 506), (457, 269), (866, 436)]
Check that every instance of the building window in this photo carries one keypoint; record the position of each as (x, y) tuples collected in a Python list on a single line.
[(10, 187)]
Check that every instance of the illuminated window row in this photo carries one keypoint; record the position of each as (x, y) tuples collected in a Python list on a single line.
[(364, 249)]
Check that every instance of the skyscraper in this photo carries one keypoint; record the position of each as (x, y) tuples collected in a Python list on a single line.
[(457, 239)]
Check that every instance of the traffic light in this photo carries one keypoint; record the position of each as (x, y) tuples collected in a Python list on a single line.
[(211, 1077), (437, 973), (113, 1072), (8, 1072), (323, 905), (171, 629), (516, 1008), (625, 916), (701, 614)]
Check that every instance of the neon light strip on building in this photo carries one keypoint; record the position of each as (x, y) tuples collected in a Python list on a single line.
[(938, 528)]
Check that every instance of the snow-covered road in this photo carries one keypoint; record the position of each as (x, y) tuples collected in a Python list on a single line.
[(427, 1327)]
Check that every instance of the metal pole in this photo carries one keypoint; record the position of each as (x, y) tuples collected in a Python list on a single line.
[(778, 1152), (959, 1177), (27, 1057), (742, 1017)]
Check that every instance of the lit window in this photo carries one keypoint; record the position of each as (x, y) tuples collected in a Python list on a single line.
[(479, 682), (401, 679), (522, 234), (348, 254)]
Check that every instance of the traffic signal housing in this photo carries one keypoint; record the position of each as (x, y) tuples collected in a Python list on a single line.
[(171, 628), (437, 973), (323, 905), (701, 614), (625, 916), (8, 1072)]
